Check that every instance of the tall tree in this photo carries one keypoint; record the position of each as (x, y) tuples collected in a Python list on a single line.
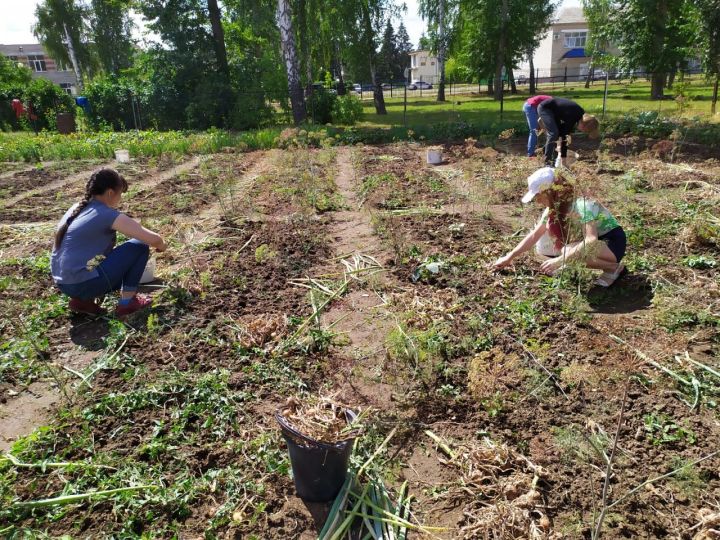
[(290, 57), (403, 48), (497, 33), (654, 35), (218, 35), (387, 54), (706, 21), (60, 27), (440, 15), (111, 28)]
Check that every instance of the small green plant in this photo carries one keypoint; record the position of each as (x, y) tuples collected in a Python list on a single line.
[(635, 181), (662, 429), (264, 253), (700, 262)]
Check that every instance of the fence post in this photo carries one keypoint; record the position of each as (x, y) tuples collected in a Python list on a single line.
[(565, 77)]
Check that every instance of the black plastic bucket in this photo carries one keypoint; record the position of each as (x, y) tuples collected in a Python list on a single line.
[(319, 469)]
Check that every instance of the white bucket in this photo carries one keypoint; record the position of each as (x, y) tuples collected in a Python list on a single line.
[(122, 156), (434, 156), (149, 273)]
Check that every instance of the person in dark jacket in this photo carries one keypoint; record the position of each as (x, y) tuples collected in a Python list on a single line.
[(559, 117)]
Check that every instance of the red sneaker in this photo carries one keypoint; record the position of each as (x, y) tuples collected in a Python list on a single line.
[(89, 307), (137, 303)]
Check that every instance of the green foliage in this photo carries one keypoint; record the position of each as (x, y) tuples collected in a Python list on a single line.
[(320, 105), (648, 35), (347, 110), (110, 103), (662, 429), (700, 262)]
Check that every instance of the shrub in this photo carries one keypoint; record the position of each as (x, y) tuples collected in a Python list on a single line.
[(110, 103), (347, 110), (320, 105)]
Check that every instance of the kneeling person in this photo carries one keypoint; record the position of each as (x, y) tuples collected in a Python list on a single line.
[(604, 241), (85, 262)]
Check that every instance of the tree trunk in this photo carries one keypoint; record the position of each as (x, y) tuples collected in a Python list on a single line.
[(511, 79), (490, 86), (532, 72), (441, 50), (73, 58), (590, 72), (502, 45), (304, 37), (378, 98), (283, 16), (671, 79), (218, 38), (341, 80), (657, 85), (715, 95)]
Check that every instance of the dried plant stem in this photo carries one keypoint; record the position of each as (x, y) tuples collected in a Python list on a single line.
[(608, 470)]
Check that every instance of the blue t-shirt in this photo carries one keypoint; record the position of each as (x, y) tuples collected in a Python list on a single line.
[(89, 235)]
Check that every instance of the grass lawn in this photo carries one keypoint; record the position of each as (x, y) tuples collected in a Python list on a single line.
[(623, 97)]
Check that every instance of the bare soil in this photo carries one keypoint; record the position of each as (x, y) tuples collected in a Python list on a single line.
[(524, 359)]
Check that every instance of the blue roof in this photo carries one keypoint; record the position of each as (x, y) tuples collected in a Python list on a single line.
[(577, 52)]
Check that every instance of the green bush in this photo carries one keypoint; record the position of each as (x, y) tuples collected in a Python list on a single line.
[(320, 105), (110, 103), (347, 110)]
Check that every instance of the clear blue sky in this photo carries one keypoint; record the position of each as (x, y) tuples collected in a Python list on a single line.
[(17, 17)]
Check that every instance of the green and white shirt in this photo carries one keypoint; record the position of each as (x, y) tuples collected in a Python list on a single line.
[(589, 210), (585, 210)]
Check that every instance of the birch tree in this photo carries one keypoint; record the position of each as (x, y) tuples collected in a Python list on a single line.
[(283, 17)]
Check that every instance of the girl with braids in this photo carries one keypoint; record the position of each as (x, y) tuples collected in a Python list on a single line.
[(603, 241), (85, 262)]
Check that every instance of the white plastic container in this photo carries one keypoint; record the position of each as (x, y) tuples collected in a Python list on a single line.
[(546, 246), (149, 273), (434, 156), (122, 156)]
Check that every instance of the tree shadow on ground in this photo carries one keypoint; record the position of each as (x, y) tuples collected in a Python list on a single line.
[(631, 292)]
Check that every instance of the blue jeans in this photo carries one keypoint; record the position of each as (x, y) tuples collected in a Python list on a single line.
[(532, 119), (121, 269)]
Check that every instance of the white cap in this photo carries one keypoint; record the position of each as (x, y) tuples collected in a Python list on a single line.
[(537, 181)]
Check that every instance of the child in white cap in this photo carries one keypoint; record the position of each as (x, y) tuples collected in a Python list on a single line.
[(602, 240)]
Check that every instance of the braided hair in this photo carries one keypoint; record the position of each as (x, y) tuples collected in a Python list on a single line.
[(100, 181)]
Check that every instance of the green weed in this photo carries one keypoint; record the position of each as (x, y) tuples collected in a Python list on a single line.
[(662, 429)]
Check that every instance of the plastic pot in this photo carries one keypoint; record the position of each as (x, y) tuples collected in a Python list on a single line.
[(434, 156), (122, 156), (319, 468)]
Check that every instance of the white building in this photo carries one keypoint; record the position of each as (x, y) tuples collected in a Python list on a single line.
[(34, 56), (424, 67)]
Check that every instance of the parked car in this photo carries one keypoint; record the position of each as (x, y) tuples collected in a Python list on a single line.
[(358, 88), (320, 87), (419, 85), (521, 79), (599, 75)]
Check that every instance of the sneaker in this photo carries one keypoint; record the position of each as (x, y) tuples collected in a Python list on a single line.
[(137, 303), (88, 307)]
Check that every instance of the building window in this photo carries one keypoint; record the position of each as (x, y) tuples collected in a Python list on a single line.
[(422, 63), (67, 87), (575, 39), (432, 63), (37, 62)]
